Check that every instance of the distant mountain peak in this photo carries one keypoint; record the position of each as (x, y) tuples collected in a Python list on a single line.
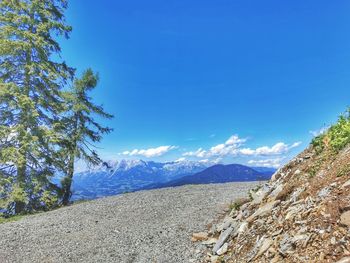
[(118, 176)]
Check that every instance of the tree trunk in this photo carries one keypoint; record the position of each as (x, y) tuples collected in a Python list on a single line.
[(21, 174), (68, 182)]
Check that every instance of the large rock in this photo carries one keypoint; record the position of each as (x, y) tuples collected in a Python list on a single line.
[(345, 218), (275, 192), (222, 238), (264, 210)]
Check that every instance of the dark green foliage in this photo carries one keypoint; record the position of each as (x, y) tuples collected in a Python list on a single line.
[(30, 84), (318, 143), (42, 128)]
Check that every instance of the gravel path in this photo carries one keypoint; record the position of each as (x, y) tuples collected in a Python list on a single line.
[(147, 226)]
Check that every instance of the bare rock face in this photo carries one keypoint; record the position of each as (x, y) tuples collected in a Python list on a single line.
[(301, 215)]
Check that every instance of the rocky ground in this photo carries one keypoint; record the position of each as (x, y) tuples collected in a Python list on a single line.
[(148, 226), (301, 215)]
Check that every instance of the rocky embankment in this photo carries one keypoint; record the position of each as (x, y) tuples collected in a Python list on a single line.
[(301, 215), (147, 226)]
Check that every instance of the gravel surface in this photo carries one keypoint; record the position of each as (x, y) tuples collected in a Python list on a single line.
[(147, 226)]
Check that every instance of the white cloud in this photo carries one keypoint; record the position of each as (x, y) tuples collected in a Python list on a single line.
[(276, 163), (228, 148), (277, 149), (200, 153), (235, 140), (233, 147), (151, 152)]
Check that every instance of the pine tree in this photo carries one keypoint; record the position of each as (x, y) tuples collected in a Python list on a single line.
[(80, 128), (30, 99)]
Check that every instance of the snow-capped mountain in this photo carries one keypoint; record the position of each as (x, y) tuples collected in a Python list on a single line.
[(114, 177)]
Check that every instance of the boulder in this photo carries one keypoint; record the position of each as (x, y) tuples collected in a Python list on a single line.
[(345, 218), (222, 238), (275, 192)]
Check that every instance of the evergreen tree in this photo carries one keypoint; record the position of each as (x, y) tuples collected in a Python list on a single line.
[(80, 128), (30, 99)]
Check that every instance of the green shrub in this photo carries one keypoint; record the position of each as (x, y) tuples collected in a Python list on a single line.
[(235, 205), (337, 137), (339, 134), (318, 143), (344, 171)]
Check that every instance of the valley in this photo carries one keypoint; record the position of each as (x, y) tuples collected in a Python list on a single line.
[(111, 178)]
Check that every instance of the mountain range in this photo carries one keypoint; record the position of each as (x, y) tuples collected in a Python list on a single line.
[(115, 177), (219, 173)]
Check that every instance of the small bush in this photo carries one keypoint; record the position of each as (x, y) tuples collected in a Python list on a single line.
[(336, 138), (339, 134), (255, 189), (236, 205), (318, 143), (344, 171)]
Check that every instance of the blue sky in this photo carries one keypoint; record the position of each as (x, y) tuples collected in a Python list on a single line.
[(231, 81)]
